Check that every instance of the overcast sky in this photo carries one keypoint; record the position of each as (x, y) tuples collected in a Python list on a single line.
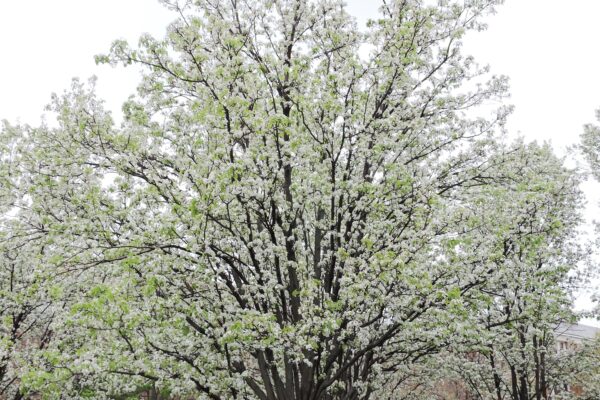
[(549, 51), (548, 48)]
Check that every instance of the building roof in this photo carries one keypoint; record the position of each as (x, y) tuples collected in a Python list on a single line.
[(577, 331)]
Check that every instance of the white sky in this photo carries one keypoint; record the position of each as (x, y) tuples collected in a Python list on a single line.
[(548, 48)]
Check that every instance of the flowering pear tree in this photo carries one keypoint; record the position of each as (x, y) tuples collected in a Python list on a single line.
[(534, 243), (27, 309), (26, 312), (284, 212)]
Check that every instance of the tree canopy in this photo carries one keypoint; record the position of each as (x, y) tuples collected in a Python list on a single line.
[(293, 208)]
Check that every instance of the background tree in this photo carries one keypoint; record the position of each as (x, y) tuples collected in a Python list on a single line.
[(535, 242), (523, 224)]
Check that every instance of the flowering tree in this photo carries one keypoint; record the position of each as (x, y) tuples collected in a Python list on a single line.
[(537, 248), (27, 304), (282, 212)]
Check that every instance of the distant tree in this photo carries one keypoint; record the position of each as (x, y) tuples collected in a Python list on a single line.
[(282, 212)]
